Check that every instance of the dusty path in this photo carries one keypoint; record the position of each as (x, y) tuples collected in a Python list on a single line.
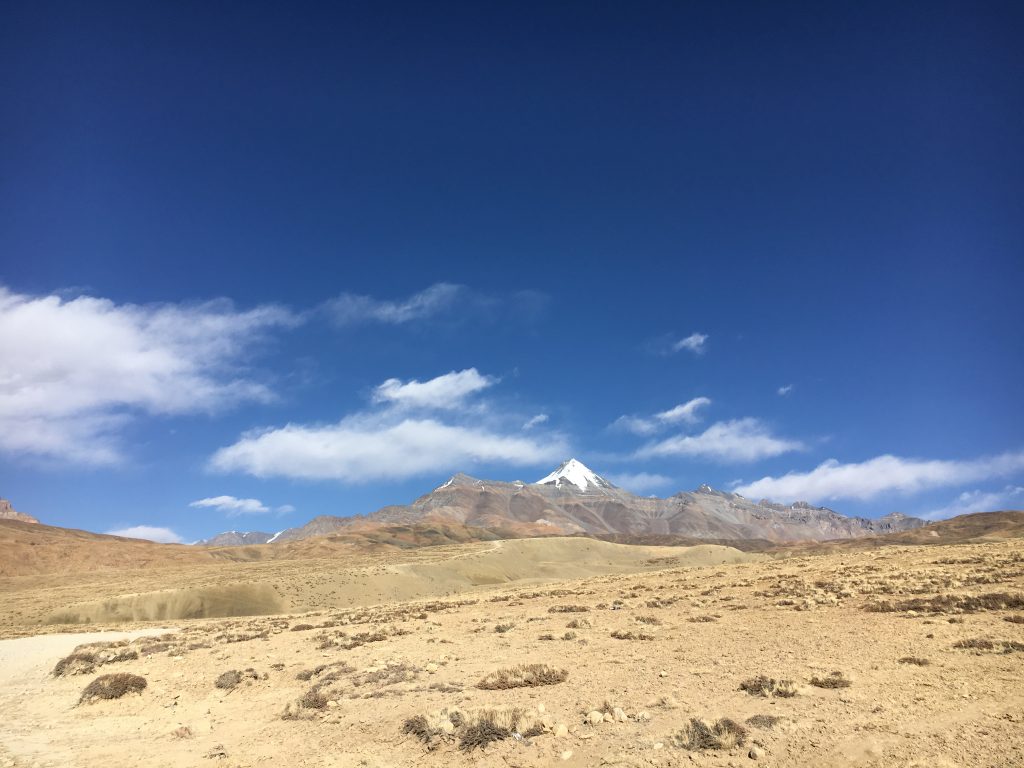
[(25, 665)]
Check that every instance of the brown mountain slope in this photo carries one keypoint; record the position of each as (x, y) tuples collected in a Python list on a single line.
[(596, 507)]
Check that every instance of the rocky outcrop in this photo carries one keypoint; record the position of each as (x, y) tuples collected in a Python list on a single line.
[(7, 512)]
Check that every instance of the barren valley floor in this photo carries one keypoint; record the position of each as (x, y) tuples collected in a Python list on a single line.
[(908, 656)]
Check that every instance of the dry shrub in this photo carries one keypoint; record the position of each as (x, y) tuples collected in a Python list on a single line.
[(983, 644), (523, 676), (766, 722), (229, 679), (578, 624), (313, 699), (568, 609), (302, 627), (503, 628), (834, 680), (767, 686), (698, 736), (1014, 619), (917, 662), (546, 636), (112, 687), (618, 634), (652, 620), (84, 662), (992, 601), (471, 729), (702, 619)]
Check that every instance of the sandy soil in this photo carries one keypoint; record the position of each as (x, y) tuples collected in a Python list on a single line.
[(692, 635)]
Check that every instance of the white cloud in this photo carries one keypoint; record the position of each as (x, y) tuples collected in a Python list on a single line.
[(882, 474), (233, 507), (362, 448), (640, 482), (352, 309), (783, 391), (1010, 497), (73, 373), (403, 438), (692, 343), (149, 533), (447, 391), (285, 509), (535, 421), (685, 413), (729, 441)]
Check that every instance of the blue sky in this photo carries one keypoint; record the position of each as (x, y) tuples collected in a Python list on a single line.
[(314, 261)]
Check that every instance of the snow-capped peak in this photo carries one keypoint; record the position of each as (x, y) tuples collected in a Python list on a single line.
[(577, 474)]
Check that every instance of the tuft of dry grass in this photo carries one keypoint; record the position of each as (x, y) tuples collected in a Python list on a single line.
[(503, 628), (768, 686), (698, 736), (833, 680), (618, 634), (112, 687), (765, 722), (568, 609), (917, 662), (991, 601), (229, 679), (471, 730), (523, 676)]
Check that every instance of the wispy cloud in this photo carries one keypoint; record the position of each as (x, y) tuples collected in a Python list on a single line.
[(234, 507), (535, 421), (149, 533), (400, 440), (640, 482), (692, 343), (447, 391), (353, 309), (75, 372), (882, 474), (739, 440), (783, 391), (687, 413), (1010, 497)]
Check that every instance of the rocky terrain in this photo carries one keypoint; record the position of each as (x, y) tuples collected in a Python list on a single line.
[(568, 652), (7, 512), (236, 539)]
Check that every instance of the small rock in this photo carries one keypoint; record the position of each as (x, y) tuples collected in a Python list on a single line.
[(620, 715), (567, 754), (608, 717), (447, 727), (663, 673), (643, 716), (540, 707), (755, 753), (431, 668), (332, 704), (561, 730), (547, 721), (658, 745), (595, 717)]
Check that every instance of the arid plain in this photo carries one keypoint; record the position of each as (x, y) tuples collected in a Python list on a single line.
[(529, 652)]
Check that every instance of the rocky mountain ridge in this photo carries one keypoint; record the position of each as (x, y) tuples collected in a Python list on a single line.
[(575, 500)]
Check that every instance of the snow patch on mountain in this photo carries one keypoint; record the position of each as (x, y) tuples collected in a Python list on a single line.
[(577, 474)]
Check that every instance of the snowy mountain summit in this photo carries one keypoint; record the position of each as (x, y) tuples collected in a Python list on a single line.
[(578, 474)]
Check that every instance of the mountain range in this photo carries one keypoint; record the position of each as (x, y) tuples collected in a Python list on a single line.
[(573, 499)]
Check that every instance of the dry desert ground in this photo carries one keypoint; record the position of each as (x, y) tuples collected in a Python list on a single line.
[(524, 653)]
